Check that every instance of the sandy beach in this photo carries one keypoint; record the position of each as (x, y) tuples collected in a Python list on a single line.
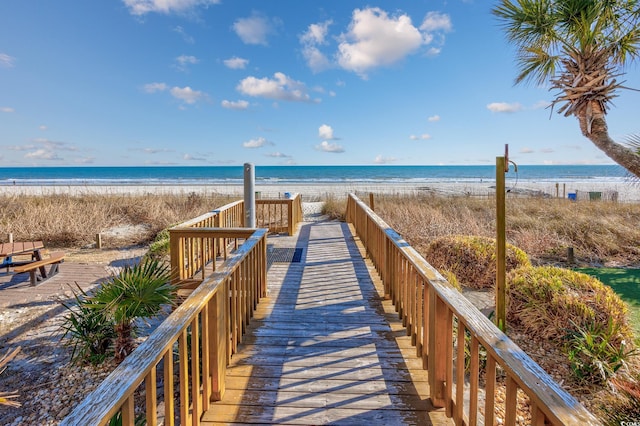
[(622, 191)]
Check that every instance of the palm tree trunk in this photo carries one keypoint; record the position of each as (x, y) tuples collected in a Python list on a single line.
[(598, 133), (124, 341)]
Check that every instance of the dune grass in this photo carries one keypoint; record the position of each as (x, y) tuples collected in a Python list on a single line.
[(600, 232), (63, 220)]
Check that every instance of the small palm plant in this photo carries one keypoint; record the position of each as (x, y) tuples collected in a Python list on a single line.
[(8, 398), (87, 331), (139, 291)]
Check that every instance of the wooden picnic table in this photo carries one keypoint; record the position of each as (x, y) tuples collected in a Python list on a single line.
[(34, 264), (8, 250), (12, 249)]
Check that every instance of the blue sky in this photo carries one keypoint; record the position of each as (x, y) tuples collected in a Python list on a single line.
[(223, 82)]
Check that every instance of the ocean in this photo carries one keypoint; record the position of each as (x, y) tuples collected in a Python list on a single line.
[(305, 175)]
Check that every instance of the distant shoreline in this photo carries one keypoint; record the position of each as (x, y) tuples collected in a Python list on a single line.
[(626, 191)]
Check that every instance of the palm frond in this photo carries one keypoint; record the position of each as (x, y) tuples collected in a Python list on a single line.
[(8, 398)]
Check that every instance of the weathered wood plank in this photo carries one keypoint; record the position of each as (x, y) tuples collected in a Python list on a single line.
[(294, 415), (323, 348), (325, 385)]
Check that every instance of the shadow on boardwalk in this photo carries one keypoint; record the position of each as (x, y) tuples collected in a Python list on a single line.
[(324, 348)]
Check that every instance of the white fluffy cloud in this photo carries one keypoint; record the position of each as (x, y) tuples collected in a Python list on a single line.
[(254, 29), (433, 118), (235, 104), (330, 147), (6, 61), (187, 94), (236, 63), (422, 137), (280, 88), (384, 160), (504, 107), (375, 39), (310, 39), (189, 157), (183, 61), (44, 149), (541, 105), (7, 109), (256, 143), (316, 33), (141, 7), (186, 37), (325, 132), (154, 87), (277, 155), (435, 21), (42, 154)]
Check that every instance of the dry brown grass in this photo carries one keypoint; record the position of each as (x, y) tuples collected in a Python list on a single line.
[(68, 220), (599, 232)]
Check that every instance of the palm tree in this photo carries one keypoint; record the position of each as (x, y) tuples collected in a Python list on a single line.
[(580, 47), (139, 291)]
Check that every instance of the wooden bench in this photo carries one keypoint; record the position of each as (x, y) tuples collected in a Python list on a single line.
[(54, 259)]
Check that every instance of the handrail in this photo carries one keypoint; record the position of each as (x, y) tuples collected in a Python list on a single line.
[(280, 215), (216, 315), (428, 304), (191, 253)]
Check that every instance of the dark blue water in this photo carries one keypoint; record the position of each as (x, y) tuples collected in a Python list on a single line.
[(48, 176)]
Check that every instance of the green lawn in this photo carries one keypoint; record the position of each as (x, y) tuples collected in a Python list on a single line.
[(626, 283)]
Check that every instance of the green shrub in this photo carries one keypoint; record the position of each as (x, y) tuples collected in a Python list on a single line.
[(577, 309), (87, 331), (555, 303), (138, 291), (594, 358), (472, 259), (159, 247)]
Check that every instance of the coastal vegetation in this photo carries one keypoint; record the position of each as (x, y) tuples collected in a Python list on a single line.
[(63, 220), (472, 259), (579, 48), (103, 324), (582, 324), (594, 350)]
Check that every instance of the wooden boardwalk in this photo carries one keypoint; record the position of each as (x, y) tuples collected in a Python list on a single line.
[(324, 347)]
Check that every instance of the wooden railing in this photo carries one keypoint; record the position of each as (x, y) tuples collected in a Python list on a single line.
[(197, 340), (450, 333), (191, 254), (279, 215)]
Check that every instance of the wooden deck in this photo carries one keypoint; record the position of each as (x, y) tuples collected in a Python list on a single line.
[(17, 291), (324, 347)]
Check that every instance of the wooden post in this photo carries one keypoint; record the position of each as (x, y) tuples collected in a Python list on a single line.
[(98, 241), (371, 204), (501, 236), (10, 237), (564, 190), (249, 195), (438, 352), (557, 190), (570, 255)]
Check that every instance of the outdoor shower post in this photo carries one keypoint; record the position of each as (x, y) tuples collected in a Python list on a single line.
[(249, 195)]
